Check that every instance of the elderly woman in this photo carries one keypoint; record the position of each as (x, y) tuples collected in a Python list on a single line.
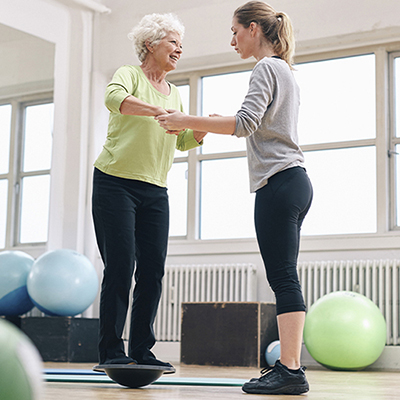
[(130, 200)]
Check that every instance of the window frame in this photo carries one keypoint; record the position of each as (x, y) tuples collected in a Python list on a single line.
[(386, 236), (15, 173)]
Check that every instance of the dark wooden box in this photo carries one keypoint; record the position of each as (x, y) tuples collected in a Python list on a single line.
[(227, 333), (63, 339)]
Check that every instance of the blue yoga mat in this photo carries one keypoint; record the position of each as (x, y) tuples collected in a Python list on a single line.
[(63, 371), (88, 376)]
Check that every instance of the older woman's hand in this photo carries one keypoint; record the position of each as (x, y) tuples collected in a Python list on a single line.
[(173, 121), (173, 132)]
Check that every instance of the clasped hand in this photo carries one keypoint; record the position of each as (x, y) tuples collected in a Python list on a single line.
[(171, 122)]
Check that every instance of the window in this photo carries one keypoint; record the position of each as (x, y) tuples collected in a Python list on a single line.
[(353, 162), (223, 94), (178, 198), (337, 131), (394, 151), (184, 92), (344, 182), (26, 128), (226, 204), (337, 100), (178, 180)]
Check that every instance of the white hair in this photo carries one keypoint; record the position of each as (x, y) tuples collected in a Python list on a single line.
[(153, 28)]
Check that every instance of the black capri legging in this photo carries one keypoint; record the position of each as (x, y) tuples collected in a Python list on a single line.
[(280, 208)]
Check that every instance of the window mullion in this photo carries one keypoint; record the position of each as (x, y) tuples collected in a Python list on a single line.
[(382, 141), (221, 156), (23, 174), (194, 165), (338, 145), (13, 184), (18, 167)]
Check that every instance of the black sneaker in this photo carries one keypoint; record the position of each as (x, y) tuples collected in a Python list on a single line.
[(148, 358), (121, 360), (154, 361), (278, 380)]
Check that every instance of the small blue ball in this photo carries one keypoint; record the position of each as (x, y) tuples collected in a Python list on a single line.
[(273, 353), (62, 283), (15, 267)]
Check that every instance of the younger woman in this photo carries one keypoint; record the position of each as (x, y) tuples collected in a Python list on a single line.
[(268, 120)]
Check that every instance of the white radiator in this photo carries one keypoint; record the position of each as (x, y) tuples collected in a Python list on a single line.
[(199, 283), (376, 279)]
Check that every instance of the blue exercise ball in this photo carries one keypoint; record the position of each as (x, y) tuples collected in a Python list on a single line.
[(345, 331), (273, 352), (62, 283), (20, 365), (15, 267)]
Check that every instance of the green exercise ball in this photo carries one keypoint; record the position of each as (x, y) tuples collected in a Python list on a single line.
[(345, 331), (20, 365)]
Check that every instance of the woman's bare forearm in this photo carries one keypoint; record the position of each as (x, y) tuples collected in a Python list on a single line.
[(176, 120), (221, 125), (133, 106)]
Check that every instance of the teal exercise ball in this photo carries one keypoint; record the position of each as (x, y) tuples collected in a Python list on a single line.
[(15, 267), (62, 283), (20, 365), (345, 331)]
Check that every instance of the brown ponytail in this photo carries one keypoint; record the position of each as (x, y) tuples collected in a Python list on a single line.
[(285, 45), (276, 27)]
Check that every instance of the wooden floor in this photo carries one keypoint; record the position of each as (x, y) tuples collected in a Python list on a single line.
[(324, 384)]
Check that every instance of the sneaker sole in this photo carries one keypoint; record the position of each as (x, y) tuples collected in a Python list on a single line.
[(290, 389)]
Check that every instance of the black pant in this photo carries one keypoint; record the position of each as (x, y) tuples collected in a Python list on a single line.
[(280, 208), (131, 220)]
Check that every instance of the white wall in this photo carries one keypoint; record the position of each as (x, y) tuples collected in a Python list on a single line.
[(208, 23), (25, 60)]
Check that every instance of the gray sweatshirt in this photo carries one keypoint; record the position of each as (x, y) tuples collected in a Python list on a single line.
[(268, 120)]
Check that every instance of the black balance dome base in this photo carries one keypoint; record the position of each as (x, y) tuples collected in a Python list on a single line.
[(133, 375)]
